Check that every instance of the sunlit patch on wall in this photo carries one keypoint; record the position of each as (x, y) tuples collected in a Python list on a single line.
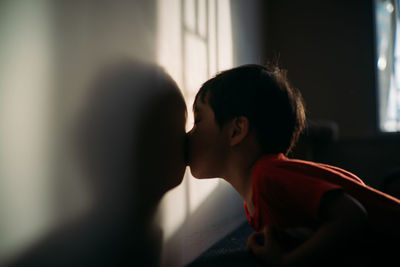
[(194, 43)]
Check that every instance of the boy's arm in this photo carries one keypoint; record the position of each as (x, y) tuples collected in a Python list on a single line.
[(342, 217)]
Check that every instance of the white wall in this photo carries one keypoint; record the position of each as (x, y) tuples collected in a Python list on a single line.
[(48, 51), (26, 80)]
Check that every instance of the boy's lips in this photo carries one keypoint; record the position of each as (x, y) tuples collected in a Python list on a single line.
[(186, 151)]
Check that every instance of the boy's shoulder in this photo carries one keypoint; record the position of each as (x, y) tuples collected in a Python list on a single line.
[(269, 167), (278, 165), (274, 162)]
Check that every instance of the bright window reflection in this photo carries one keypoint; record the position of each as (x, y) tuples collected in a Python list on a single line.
[(388, 64)]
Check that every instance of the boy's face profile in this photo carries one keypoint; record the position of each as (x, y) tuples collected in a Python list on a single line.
[(207, 143)]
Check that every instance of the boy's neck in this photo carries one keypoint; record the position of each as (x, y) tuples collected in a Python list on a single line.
[(240, 177), (239, 166)]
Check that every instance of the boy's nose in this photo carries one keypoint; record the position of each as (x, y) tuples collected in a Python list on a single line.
[(190, 132)]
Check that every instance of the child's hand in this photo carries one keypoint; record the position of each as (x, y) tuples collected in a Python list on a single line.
[(266, 246)]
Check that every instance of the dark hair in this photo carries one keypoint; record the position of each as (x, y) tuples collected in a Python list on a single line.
[(263, 94)]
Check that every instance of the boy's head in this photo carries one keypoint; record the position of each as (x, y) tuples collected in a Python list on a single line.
[(274, 110)]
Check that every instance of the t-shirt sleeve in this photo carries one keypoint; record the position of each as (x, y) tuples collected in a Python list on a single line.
[(293, 196)]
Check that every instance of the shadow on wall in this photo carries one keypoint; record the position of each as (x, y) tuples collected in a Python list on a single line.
[(129, 141)]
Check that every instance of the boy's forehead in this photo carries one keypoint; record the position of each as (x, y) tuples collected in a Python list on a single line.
[(198, 105), (200, 101)]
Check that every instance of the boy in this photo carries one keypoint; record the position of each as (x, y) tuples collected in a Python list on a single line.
[(246, 120)]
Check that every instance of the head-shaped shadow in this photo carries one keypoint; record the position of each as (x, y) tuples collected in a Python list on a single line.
[(130, 139), (131, 133)]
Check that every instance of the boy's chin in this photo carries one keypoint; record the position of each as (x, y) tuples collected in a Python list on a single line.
[(199, 176), (194, 174)]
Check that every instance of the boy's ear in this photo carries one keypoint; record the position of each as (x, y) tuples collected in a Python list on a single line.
[(239, 130)]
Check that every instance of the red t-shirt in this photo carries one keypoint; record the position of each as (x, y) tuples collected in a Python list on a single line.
[(287, 194)]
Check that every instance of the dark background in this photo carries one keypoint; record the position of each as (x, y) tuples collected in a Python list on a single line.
[(328, 48)]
